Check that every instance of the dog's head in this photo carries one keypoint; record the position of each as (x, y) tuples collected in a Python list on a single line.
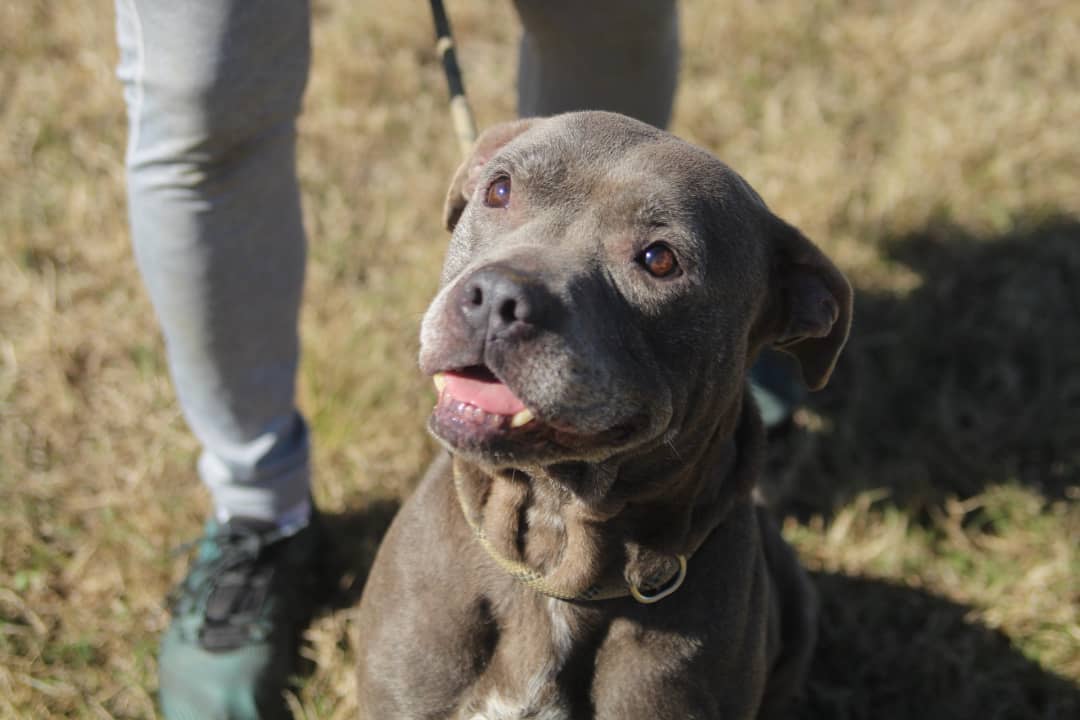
[(606, 286)]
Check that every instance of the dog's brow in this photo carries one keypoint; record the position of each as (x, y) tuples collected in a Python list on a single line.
[(652, 214), (657, 210), (532, 171), (521, 161)]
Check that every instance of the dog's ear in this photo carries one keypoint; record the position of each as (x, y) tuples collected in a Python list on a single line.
[(809, 310), (464, 182)]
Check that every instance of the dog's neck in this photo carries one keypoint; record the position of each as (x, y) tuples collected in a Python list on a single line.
[(580, 523)]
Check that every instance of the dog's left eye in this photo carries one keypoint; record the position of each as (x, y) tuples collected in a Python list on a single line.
[(498, 192), (659, 260)]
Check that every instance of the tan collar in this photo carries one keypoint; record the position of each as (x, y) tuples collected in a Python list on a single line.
[(605, 590)]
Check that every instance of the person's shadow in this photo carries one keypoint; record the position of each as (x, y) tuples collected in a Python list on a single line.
[(972, 378)]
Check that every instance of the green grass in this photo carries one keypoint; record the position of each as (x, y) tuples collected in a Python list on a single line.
[(930, 148)]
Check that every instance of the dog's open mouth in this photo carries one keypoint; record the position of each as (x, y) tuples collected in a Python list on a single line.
[(475, 402), (479, 414)]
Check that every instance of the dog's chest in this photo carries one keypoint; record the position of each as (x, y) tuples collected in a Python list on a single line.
[(524, 685)]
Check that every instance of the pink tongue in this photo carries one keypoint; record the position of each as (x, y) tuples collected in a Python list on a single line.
[(491, 396)]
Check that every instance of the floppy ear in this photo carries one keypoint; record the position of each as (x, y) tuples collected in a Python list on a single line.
[(465, 179), (810, 304)]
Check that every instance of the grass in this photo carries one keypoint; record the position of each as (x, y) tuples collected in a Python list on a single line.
[(930, 148)]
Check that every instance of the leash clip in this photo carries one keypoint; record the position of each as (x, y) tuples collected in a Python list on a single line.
[(672, 587)]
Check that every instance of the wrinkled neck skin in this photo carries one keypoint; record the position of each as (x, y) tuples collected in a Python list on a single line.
[(630, 515)]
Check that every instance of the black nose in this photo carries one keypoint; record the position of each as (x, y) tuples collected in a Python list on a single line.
[(502, 302)]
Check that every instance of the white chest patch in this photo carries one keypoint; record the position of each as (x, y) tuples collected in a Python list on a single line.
[(497, 707), (539, 699)]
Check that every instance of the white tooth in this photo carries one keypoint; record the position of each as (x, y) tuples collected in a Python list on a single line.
[(521, 418), (440, 382)]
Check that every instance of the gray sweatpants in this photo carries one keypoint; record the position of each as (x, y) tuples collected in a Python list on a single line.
[(213, 89)]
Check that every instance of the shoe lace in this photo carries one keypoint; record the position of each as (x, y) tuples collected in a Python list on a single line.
[(227, 587)]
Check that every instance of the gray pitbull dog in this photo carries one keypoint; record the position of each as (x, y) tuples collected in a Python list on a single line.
[(589, 547)]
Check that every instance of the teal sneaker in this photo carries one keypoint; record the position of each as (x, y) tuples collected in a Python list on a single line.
[(236, 619)]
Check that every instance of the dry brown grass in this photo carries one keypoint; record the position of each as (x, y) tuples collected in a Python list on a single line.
[(930, 147)]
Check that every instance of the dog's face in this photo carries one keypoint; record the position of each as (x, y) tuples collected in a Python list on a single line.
[(606, 285)]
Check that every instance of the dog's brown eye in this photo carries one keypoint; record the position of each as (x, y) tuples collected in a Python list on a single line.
[(498, 192), (659, 260)]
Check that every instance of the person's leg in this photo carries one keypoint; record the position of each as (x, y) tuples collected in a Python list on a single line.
[(213, 89), (617, 55)]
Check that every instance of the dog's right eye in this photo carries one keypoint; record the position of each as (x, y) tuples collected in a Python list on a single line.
[(659, 260), (498, 192)]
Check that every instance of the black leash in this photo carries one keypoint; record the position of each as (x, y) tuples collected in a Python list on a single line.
[(460, 113)]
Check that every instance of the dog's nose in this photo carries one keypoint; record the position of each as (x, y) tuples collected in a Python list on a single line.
[(501, 302)]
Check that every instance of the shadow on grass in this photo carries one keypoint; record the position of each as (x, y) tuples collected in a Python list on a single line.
[(970, 379), (890, 652), (354, 536)]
